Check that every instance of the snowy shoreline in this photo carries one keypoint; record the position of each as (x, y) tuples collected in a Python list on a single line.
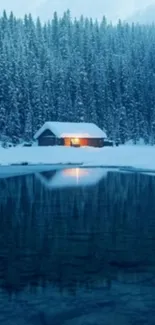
[(127, 157)]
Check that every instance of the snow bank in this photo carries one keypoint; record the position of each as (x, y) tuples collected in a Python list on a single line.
[(142, 157)]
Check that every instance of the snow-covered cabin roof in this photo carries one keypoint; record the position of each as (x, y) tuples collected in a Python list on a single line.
[(72, 130)]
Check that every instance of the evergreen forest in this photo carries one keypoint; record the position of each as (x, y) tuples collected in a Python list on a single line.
[(78, 71)]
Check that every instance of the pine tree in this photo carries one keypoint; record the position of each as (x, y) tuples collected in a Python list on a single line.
[(2, 118), (79, 108), (123, 125), (28, 134)]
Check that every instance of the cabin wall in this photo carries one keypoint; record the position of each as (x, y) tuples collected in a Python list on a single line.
[(47, 138), (95, 142), (47, 141)]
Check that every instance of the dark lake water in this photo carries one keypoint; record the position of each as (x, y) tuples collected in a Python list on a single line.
[(77, 247)]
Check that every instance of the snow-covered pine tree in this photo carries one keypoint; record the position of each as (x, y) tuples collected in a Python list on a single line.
[(28, 134)]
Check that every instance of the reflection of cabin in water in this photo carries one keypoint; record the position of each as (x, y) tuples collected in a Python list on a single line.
[(71, 177), (70, 134)]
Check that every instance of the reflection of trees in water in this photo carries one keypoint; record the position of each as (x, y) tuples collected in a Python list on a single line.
[(76, 237)]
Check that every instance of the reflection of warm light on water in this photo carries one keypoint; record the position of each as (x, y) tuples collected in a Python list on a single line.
[(74, 172), (73, 177)]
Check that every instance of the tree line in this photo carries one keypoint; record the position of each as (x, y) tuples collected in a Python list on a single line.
[(76, 70)]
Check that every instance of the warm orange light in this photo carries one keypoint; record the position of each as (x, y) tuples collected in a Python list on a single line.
[(75, 141), (73, 172)]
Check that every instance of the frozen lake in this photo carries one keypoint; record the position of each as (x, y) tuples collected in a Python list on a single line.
[(77, 247)]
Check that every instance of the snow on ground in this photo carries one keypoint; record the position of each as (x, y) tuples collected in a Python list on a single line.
[(141, 157)]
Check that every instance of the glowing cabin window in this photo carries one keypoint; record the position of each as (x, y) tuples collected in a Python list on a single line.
[(75, 141)]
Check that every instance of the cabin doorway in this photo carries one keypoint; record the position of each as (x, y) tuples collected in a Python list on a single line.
[(75, 142)]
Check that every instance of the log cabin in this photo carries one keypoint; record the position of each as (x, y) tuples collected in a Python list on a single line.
[(70, 134)]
